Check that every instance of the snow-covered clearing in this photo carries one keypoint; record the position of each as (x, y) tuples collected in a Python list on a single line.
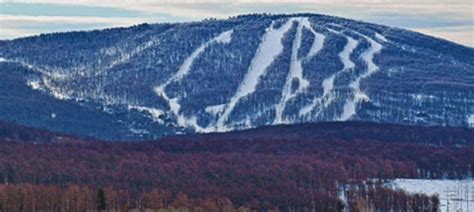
[(268, 50), (184, 70), (328, 83), (368, 57), (454, 195)]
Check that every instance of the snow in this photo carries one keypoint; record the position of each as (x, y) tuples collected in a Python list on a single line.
[(139, 131), (215, 109), (368, 55), (470, 120), (2, 60), (459, 193), (174, 105), (346, 53), (296, 69), (124, 56), (381, 37), (225, 37), (34, 84), (53, 115), (296, 72), (184, 69), (155, 113), (57, 93), (318, 41), (328, 83), (270, 47), (342, 196)]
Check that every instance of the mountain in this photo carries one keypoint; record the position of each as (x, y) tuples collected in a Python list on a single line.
[(152, 80)]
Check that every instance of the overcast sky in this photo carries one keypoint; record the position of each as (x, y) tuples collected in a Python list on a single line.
[(448, 19)]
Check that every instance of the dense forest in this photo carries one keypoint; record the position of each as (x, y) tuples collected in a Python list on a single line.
[(249, 170)]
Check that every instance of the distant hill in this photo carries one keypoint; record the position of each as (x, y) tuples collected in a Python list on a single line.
[(153, 80), (326, 131)]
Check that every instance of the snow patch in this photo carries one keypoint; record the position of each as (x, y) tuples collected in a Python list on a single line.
[(215, 109), (459, 193), (328, 83), (350, 106), (155, 113), (139, 131), (2, 60), (381, 37), (34, 84), (470, 120), (225, 37), (184, 70), (295, 73), (174, 105), (270, 47), (57, 93)]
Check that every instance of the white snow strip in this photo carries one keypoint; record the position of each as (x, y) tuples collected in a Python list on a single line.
[(57, 93), (296, 72), (215, 109), (296, 68), (350, 106), (381, 37), (318, 41), (184, 70), (2, 60), (328, 83), (34, 84), (270, 47), (454, 195)]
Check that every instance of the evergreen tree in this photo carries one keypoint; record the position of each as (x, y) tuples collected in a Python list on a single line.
[(101, 200)]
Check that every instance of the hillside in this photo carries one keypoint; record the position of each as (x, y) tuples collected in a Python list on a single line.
[(154, 80)]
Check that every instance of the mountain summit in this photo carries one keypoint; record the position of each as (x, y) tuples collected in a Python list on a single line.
[(148, 81)]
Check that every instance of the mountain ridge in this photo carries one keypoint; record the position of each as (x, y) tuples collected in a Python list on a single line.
[(162, 79)]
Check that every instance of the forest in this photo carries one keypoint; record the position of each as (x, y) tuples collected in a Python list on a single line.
[(240, 171)]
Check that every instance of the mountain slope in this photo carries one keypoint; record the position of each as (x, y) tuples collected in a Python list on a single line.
[(244, 72)]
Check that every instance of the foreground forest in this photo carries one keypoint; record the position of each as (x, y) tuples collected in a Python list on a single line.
[(282, 168)]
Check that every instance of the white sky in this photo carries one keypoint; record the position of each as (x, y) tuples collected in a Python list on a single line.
[(448, 19)]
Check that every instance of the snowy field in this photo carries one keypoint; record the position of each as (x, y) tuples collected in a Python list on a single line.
[(455, 195)]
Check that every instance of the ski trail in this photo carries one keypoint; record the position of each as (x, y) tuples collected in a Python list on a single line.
[(296, 68), (381, 37), (270, 47), (318, 41), (368, 56), (184, 69), (328, 83)]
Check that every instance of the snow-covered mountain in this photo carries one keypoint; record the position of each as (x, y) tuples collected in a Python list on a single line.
[(219, 75)]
